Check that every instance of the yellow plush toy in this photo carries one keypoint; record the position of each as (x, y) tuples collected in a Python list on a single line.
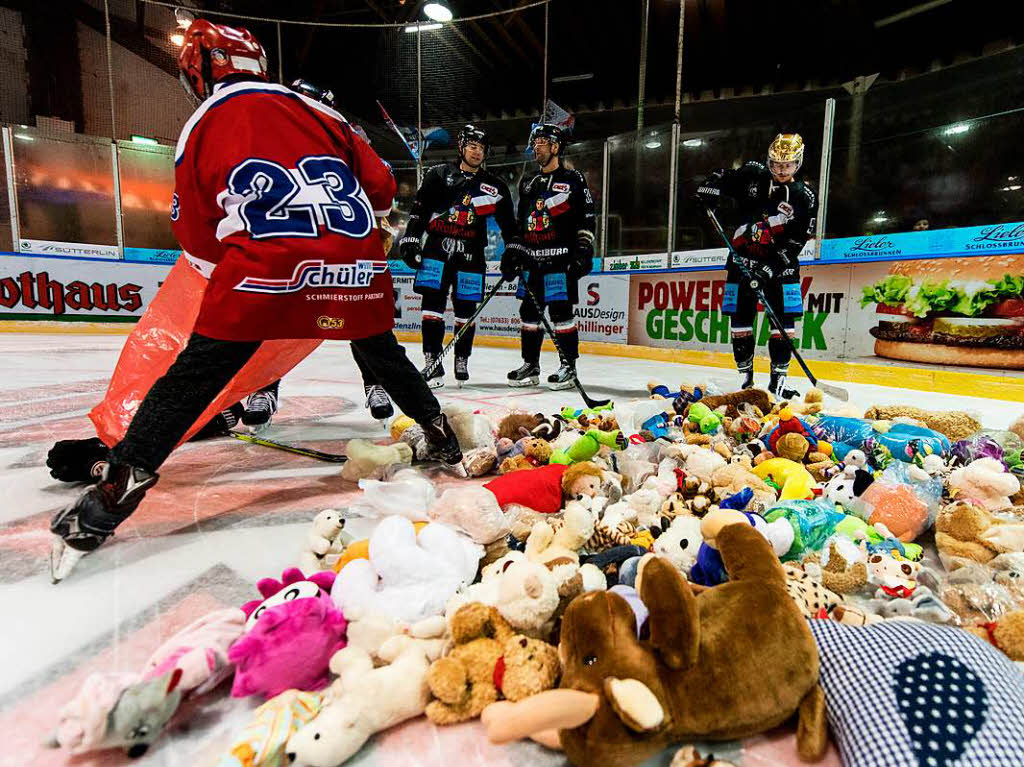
[(795, 481)]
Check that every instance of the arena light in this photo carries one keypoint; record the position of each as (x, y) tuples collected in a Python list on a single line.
[(145, 140), (693, 143), (437, 12), (880, 218), (953, 130), (1012, 188), (653, 143), (178, 39), (23, 137), (422, 27)]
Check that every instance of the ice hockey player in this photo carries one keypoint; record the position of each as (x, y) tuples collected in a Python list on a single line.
[(452, 206), (275, 203), (776, 211), (556, 220)]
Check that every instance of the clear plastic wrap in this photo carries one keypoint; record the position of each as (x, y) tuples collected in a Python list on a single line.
[(154, 344)]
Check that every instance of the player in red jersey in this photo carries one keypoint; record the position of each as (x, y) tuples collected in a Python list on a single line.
[(275, 202)]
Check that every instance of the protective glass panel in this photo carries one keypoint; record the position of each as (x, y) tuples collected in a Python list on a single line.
[(638, 188), (147, 185)]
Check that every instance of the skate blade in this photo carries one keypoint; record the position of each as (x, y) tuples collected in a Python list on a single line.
[(522, 384), (562, 386), (63, 559), (435, 383), (259, 429), (459, 383)]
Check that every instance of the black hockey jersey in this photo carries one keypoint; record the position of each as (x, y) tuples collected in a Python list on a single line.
[(553, 209), (777, 219), (452, 207)]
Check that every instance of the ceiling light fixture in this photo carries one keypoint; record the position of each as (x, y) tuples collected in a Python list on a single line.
[(422, 27), (437, 12), (178, 39)]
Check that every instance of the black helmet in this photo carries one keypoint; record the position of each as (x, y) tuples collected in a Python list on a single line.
[(315, 92), (553, 133), (472, 133)]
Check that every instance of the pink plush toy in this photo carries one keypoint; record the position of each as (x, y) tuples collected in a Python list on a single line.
[(290, 636)]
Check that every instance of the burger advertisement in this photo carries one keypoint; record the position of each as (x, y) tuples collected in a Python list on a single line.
[(950, 311)]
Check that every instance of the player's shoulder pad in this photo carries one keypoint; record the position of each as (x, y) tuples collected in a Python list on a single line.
[(577, 176), (494, 180), (753, 166), (804, 191), (225, 101)]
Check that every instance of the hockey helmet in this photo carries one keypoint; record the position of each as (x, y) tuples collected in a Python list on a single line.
[(212, 52), (315, 92), (471, 133), (553, 133), (787, 147)]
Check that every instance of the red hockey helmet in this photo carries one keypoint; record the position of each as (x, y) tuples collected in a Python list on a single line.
[(211, 52)]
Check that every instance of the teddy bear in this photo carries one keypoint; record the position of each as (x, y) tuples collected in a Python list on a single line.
[(738, 402), (547, 489), (968, 531), (838, 574), (365, 459), (733, 477), (696, 460), (679, 542), (363, 700), (1005, 633), (984, 480), (324, 542), (622, 700), (525, 593), (487, 660), (517, 424), (955, 424), (545, 544), (535, 452), (812, 403)]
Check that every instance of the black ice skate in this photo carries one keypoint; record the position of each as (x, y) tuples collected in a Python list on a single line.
[(259, 409), (527, 374), (564, 377), (461, 370), (77, 460), (442, 442), (747, 378), (379, 403), (436, 379), (84, 526), (777, 386)]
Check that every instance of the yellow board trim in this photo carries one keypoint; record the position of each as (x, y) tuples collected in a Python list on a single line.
[(1008, 388)]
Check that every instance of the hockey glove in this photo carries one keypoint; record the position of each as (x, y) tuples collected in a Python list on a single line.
[(77, 460), (512, 260), (583, 258), (412, 252), (708, 196)]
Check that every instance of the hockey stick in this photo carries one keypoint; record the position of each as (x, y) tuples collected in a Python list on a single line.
[(465, 327), (835, 391), (591, 402), (294, 449)]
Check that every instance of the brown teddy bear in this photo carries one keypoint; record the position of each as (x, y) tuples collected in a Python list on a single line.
[(966, 530), (734, 402), (622, 700), (733, 477), (536, 452), (838, 575), (517, 424), (1006, 634), (487, 662), (955, 424)]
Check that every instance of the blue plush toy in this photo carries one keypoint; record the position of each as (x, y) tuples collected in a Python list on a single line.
[(902, 441)]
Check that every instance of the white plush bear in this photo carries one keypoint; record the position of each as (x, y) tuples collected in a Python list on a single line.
[(362, 701), (680, 542), (326, 541), (646, 505), (407, 577)]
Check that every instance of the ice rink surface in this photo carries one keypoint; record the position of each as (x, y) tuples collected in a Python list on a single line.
[(225, 514)]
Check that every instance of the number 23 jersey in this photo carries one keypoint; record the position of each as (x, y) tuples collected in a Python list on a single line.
[(274, 203)]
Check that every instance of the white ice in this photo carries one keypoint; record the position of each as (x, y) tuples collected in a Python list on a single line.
[(226, 514)]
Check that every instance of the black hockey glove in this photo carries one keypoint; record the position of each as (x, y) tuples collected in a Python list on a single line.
[(583, 257), (411, 251), (708, 196), (77, 460), (512, 261)]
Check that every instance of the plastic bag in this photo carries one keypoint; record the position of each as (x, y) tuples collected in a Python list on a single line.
[(154, 344), (472, 510), (407, 494)]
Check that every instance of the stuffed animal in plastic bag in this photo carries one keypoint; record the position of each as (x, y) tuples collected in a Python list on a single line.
[(984, 480), (290, 636), (263, 741)]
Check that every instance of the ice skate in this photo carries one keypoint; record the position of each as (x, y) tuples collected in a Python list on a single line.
[(461, 370), (436, 379), (747, 378), (777, 386), (85, 525), (259, 409), (379, 403), (443, 444), (527, 374), (563, 378)]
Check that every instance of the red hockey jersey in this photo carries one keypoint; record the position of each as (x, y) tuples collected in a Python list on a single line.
[(274, 203)]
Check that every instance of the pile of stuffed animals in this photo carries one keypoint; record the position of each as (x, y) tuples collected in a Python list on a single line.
[(614, 561)]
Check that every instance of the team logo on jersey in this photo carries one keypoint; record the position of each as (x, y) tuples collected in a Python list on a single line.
[(538, 220), (752, 190), (488, 189), (560, 187), (462, 213), (330, 323), (317, 274)]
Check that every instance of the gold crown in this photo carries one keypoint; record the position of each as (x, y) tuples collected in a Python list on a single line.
[(787, 147)]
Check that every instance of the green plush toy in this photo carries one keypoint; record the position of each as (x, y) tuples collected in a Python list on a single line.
[(856, 528), (587, 446), (571, 413), (704, 418)]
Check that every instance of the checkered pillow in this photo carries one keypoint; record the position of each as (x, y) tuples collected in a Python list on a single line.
[(910, 694)]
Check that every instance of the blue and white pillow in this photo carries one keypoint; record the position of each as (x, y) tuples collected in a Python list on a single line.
[(907, 694)]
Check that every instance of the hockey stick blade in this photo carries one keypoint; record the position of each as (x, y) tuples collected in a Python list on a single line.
[(838, 392), (587, 399)]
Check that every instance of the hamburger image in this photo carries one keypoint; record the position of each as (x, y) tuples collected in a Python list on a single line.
[(951, 311)]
